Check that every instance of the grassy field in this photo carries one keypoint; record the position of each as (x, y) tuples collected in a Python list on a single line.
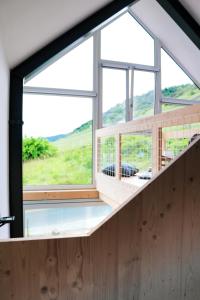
[(73, 162), (137, 151), (71, 165)]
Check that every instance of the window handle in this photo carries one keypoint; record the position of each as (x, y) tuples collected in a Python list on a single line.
[(6, 220)]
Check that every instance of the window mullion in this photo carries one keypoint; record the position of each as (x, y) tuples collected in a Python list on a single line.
[(58, 92), (127, 102), (126, 65), (97, 102), (97, 80), (130, 93), (158, 93)]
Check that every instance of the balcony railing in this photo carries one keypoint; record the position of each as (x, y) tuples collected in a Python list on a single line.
[(130, 154)]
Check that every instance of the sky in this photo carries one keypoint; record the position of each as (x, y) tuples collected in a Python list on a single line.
[(51, 115)]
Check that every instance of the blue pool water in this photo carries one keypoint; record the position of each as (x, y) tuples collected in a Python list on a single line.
[(72, 220)]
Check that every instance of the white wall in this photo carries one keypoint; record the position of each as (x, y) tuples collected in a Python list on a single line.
[(4, 88)]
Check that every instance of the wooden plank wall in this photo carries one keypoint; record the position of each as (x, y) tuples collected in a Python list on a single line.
[(150, 250)]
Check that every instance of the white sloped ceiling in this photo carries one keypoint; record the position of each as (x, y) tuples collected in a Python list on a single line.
[(28, 25), (193, 7)]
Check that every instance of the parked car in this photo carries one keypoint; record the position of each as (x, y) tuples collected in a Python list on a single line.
[(127, 170)]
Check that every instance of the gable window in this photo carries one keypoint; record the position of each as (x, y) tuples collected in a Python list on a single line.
[(63, 101), (109, 75)]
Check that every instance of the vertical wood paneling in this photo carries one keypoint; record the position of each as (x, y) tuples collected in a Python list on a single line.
[(191, 229), (105, 262), (148, 250), (161, 238), (129, 251)]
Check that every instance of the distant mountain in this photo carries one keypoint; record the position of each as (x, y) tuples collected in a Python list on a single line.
[(142, 105), (56, 137), (184, 91), (114, 114), (83, 127)]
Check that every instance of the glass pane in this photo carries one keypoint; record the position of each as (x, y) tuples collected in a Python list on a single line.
[(175, 139), (114, 96), (136, 158), (144, 94), (175, 83), (72, 71), (126, 40), (57, 140), (69, 220), (107, 146), (169, 107)]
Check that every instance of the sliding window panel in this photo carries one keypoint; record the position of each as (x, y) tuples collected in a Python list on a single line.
[(57, 140), (113, 96), (144, 94)]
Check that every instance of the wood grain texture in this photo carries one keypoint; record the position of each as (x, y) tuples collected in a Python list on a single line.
[(150, 249), (60, 195), (114, 191)]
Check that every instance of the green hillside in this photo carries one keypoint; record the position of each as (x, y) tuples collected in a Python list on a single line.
[(72, 162), (143, 105), (184, 91)]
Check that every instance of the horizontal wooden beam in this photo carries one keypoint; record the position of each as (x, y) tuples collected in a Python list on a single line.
[(60, 195)]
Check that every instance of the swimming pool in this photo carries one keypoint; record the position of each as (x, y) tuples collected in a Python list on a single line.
[(64, 218)]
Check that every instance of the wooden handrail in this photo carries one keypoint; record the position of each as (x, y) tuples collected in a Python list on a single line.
[(112, 189)]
